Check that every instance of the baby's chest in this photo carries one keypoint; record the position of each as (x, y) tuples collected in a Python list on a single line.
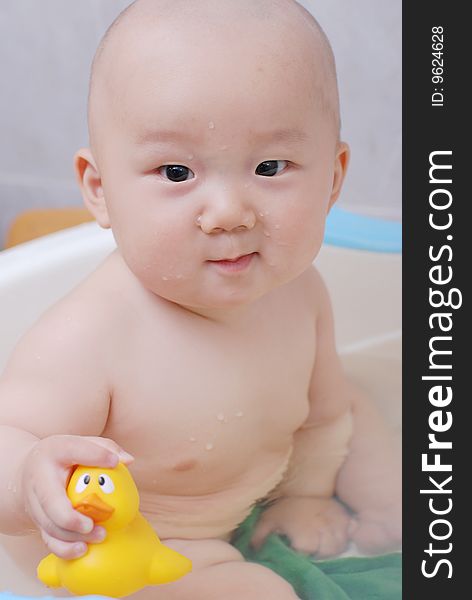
[(204, 401)]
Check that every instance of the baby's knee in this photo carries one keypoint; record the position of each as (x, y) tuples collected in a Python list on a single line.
[(253, 582), (220, 571), (229, 581), (205, 553)]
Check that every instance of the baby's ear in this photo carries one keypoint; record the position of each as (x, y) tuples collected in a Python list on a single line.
[(340, 168), (90, 182)]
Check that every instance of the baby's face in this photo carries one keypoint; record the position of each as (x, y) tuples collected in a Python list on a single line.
[(218, 168)]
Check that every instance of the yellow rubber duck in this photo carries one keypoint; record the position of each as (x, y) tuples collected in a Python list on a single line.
[(130, 557)]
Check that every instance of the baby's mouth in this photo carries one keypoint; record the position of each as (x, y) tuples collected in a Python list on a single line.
[(234, 259), (238, 263)]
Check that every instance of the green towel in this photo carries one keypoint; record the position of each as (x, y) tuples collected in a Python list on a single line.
[(353, 578)]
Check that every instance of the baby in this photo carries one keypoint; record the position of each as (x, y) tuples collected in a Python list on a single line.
[(203, 346)]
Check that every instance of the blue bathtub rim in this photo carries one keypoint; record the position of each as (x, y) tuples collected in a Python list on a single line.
[(346, 229)]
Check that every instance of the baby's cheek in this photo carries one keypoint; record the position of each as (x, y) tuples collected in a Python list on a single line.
[(302, 233), (139, 247), (160, 259)]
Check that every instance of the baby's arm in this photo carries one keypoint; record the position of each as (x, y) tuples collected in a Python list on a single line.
[(343, 448), (52, 393), (369, 481)]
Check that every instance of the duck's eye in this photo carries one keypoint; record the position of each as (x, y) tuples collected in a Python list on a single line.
[(82, 483), (176, 173), (269, 168), (106, 484)]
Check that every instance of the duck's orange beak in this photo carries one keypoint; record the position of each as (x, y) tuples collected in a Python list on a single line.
[(94, 507)]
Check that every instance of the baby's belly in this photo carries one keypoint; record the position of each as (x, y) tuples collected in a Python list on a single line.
[(213, 515)]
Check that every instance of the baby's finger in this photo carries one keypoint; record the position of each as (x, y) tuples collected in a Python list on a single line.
[(331, 544), (63, 549), (261, 531), (353, 526), (371, 538), (69, 450), (57, 508), (125, 457), (306, 542), (47, 524)]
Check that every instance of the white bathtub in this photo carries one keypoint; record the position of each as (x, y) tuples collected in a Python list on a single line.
[(365, 289)]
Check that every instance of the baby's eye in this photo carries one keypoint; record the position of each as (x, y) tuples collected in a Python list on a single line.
[(176, 173), (82, 483), (106, 484), (269, 168)]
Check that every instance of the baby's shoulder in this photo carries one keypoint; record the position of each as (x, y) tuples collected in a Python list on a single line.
[(86, 317)]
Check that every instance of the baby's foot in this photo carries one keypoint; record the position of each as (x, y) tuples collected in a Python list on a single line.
[(377, 530), (313, 525)]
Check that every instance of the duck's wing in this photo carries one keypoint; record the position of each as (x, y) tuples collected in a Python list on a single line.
[(47, 571), (168, 565)]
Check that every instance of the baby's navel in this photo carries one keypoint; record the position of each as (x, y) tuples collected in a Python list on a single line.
[(185, 465)]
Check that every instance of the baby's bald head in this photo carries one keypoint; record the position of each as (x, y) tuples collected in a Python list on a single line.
[(154, 20)]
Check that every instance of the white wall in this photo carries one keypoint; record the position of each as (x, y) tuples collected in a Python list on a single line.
[(366, 37), (46, 47)]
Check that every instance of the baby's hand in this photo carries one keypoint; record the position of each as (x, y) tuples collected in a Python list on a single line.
[(44, 478), (379, 530), (313, 525)]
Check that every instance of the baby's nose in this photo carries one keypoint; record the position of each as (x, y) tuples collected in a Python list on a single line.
[(226, 213)]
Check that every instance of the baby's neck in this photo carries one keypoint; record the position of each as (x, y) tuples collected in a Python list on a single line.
[(228, 316)]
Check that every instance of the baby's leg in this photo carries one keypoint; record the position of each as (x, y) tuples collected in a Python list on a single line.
[(19, 557), (219, 573)]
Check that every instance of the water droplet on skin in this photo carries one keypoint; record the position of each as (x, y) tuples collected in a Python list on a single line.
[(221, 418), (261, 214), (266, 233), (239, 413), (164, 278), (209, 446), (179, 276), (198, 220), (190, 157), (192, 439), (211, 125)]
